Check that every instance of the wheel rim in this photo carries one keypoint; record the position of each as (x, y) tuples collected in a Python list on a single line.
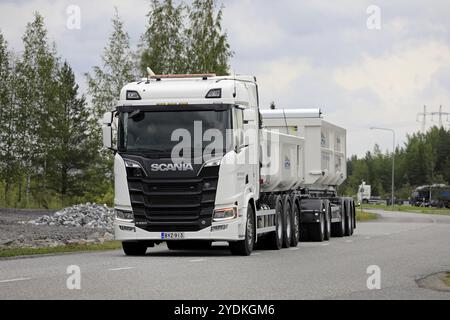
[(322, 222), (328, 222), (288, 223), (279, 224), (249, 233), (296, 225)]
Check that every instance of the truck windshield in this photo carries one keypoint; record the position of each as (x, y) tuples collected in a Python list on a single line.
[(148, 132)]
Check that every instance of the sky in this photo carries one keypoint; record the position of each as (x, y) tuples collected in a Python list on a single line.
[(364, 63)]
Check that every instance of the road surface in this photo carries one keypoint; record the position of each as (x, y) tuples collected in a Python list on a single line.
[(404, 246)]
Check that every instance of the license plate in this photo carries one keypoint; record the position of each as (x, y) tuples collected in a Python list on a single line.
[(172, 235)]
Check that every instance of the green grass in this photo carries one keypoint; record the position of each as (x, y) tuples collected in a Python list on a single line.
[(407, 208), (14, 252), (365, 216), (446, 279)]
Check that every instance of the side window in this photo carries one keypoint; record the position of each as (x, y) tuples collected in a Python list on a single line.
[(238, 126)]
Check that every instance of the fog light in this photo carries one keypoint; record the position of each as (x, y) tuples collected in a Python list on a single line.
[(124, 215), (225, 214)]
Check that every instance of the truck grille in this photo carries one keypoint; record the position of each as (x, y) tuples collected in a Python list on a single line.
[(184, 204)]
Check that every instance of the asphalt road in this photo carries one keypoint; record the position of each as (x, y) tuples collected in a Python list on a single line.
[(405, 246)]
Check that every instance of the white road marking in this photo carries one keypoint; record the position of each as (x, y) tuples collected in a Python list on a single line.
[(197, 260), (14, 280), (256, 254), (349, 241), (325, 244), (293, 249), (367, 238), (123, 268)]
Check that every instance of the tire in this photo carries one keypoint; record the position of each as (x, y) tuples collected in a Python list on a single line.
[(338, 228), (295, 238), (316, 231), (275, 239), (287, 221), (134, 248), (348, 218), (352, 214), (188, 245), (327, 213), (245, 247)]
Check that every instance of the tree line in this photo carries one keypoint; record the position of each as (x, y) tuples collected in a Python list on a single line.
[(50, 137), (423, 160)]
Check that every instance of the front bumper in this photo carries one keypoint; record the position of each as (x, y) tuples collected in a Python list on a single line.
[(223, 231)]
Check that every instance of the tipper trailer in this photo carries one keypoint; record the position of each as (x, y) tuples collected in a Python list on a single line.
[(198, 162)]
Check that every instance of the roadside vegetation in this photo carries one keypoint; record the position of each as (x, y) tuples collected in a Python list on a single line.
[(423, 159), (15, 252), (407, 208), (446, 279), (365, 216)]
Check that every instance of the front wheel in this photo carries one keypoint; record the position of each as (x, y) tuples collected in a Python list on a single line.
[(134, 248), (245, 247)]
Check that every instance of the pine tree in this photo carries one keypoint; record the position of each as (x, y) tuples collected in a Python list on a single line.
[(105, 83), (104, 87), (208, 49), (8, 160), (71, 151), (163, 45), (36, 72)]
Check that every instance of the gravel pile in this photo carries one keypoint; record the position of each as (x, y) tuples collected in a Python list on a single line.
[(89, 215)]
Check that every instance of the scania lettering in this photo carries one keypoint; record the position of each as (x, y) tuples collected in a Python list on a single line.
[(198, 161), (172, 167)]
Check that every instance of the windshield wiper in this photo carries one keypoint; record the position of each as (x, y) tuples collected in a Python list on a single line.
[(134, 114)]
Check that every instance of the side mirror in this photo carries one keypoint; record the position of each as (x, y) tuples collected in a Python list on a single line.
[(107, 118), (107, 130), (249, 115)]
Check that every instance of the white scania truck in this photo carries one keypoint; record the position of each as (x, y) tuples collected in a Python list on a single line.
[(197, 161)]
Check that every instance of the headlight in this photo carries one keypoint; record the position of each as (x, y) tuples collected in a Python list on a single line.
[(134, 169), (124, 215), (225, 214), (213, 163)]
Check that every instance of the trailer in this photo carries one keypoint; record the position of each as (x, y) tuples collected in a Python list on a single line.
[(197, 161)]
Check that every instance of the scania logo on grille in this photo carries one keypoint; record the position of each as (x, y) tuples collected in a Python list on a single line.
[(172, 167)]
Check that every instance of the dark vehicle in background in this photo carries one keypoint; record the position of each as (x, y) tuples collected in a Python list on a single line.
[(437, 195)]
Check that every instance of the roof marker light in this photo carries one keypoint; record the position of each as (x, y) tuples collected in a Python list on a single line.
[(214, 94), (133, 95)]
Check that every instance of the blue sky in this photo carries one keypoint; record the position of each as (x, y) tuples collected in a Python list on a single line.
[(304, 53)]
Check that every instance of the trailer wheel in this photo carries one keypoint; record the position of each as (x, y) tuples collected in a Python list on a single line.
[(327, 215), (354, 215), (275, 239), (317, 230), (295, 222), (348, 218), (338, 228), (245, 247), (134, 248), (287, 221)]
